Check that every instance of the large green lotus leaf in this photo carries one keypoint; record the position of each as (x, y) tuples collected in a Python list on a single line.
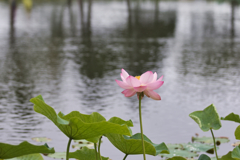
[(133, 145), (204, 157), (85, 154), (207, 119), (24, 148), (236, 153), (232, 117), (176, 158), (81, 145), (197, 147), (28, 157), (175, 146), (120, 121), (209, 140), (227, 157), (79, 126), (237, 133), (181, 153), (57, 155)]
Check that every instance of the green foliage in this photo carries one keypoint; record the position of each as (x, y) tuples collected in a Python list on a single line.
[(79, 126), (209, 140), (82, 143), (237, 133), (235, 118), (197, 147), (85, 154), (24, 148), (175, 146), (204, 157), (57, 155), (179, 152), (133, 145), (207, 119), (227, 157), (176, 158), (236, 153), (28, 157), (232, 117)]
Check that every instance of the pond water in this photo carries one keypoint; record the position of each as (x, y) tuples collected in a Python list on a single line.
[(72, 56)]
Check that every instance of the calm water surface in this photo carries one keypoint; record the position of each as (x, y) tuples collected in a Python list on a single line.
[(72, 57)]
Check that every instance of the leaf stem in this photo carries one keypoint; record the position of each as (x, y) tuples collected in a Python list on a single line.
[(68, 146), (99, 144), (95, 147), (125, 156), (140, 119), (215, 148)]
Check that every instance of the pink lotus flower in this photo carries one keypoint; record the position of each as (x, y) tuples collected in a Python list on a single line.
[(145, 83)]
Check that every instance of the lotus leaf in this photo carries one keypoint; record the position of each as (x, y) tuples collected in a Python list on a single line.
[(227, 157), (57, 155), (80, 145), (176, 158), (133, 145), (83, 141), (237, 133), (85, 154), (207, 119), (204, 157), (209, 140), (232, 117), (236, 153), (178, 152), (29, 157), (197, 147), (175, 146), (24, 148), (79, 126)]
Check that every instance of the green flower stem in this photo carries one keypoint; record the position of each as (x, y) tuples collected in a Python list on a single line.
[(125, 156), (215, 148), (99, 143), (140, 119), (95, 147), (68, 146)]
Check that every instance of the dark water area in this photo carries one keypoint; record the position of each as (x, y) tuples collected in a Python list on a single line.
[(71, 55)]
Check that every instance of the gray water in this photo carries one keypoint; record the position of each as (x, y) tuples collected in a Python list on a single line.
[(72, 58)]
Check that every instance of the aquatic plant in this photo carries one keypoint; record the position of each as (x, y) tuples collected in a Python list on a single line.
[(88, 130), (144, 84)]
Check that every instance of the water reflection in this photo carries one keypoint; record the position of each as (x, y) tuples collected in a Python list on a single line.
[(74, 51), (19, 79), (13, 8), (93, 56), (233, 8), (142, 44)]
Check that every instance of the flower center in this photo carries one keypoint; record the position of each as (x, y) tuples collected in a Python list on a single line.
[(138, 77)]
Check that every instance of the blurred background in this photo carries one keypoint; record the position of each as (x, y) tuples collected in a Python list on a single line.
[(71, 52)]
